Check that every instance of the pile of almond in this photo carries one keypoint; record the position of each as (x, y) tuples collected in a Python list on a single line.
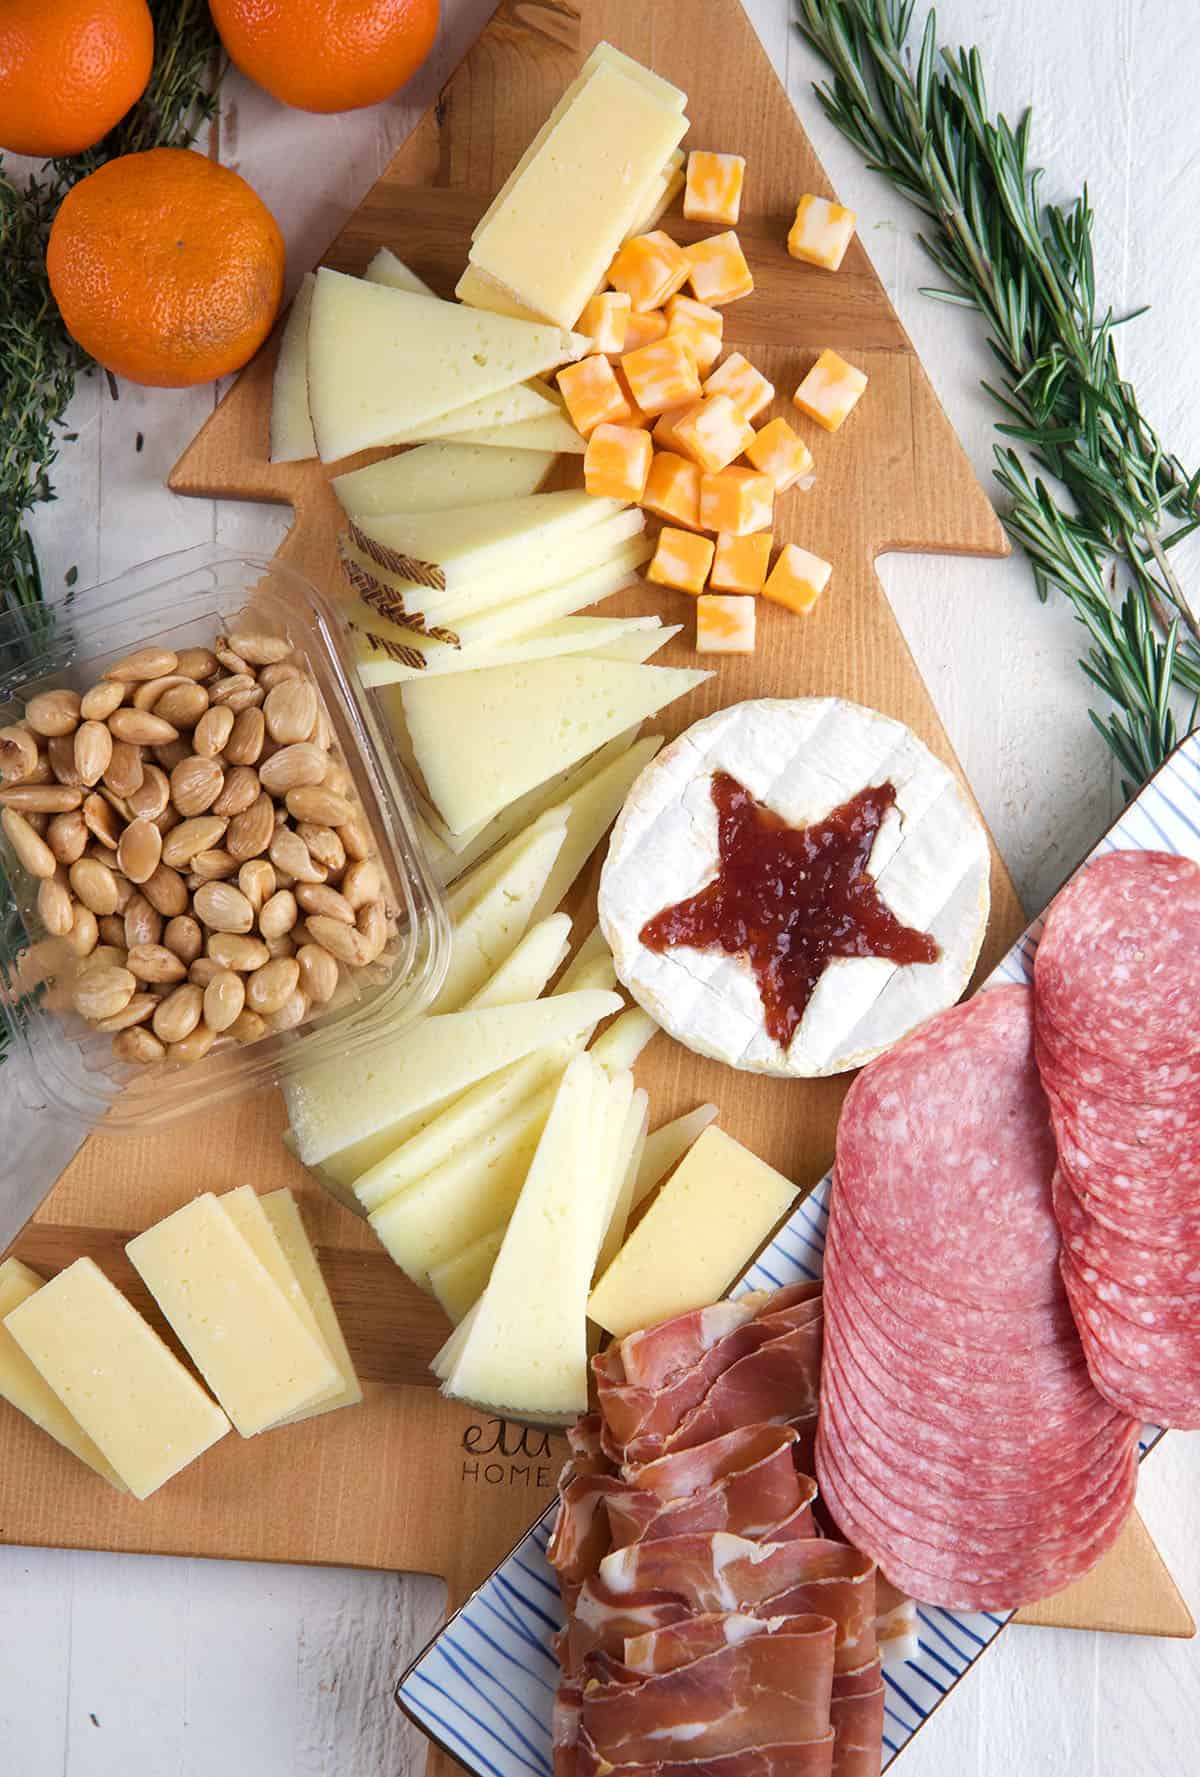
[(197, 844)]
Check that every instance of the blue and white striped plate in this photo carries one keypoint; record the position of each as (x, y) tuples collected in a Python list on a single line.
[(483, 1688)]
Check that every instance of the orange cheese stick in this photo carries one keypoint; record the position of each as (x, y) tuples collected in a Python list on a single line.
[(713, 432), (719, 271), (649, 269), (700, 327), (643, 330), (821, 232), (779, 453), (605, 320), (661, 375), (737, 500)]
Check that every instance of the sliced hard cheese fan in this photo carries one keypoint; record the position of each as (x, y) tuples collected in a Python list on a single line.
[(451, 549), (488, 928), (382, 360), (526, 1349), (507, 407), (523, 974), (613, 638), (553, 431), (438, 475), (131, 1395), (283, 1213), (24, 1388), (461, 1280), (590, 811), (666, 1147), (707, 1222), (483, 740), (385, 268), (292, 438)]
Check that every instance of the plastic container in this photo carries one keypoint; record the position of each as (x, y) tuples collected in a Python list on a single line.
[(66, 1069)]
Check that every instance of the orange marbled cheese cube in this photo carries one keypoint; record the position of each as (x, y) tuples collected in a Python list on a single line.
[(797, 580), (737, 500), (700, 327), (724, 625), (740, 563), (662, 375), (664, 428), (719, 271), (713, 432), (713, 192), (605, 320), (636, 416), (643, 330), (821, 232), (682, 560), (779, 453), (746, 387), (673, 489), (592, 394), (649, 269), (830, 390), (617, 462)]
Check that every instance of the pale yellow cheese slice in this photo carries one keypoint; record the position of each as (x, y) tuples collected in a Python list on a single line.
[(507, 407), (292, 438), (612, 638), (666, 1146), (439, 475), (551, 432), (461, 1280), (385, 268), (618, 1046), (524, 973), (487, 930), (627, 1159), (460, 544), (284, 1215), (590, 811)]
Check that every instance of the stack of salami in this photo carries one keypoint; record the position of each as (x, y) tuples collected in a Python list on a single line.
[(1118, 1043), (711, 1632), (961, 1441)]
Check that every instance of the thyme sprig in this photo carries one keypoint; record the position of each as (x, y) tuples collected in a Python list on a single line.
[(920, 116)]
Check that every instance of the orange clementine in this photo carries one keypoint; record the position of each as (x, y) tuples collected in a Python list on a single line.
[(167, 268), (69, 71), (327, 55)]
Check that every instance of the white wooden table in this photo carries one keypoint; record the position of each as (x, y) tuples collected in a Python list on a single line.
[(111, 1666)]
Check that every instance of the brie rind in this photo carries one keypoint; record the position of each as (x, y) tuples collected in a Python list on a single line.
[(803, 758)]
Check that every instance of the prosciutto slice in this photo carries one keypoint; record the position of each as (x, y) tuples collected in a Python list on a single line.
[(582, 1536), (813, 1758), (745, 1482), (856, 1715)]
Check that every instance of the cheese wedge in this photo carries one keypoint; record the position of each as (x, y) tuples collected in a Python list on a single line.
[(590, 811), (361, 1116), (435, 476), (576, 593), (382, 361), (24, 1388), (507, 407), (482, 741), (523, 974), (234, 1321), (706, 1223), (569, 635), (526, 1350), (129, 1393), (553, 432), (283, 1213), (626, 1163), (292, 438), (459, 1282), (666, 1146), (637, 645), (489, 927), (385, 268), (618, 1047), (448, 550)]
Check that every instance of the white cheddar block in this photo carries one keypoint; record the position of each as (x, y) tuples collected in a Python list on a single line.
[(459, 544), (292, 438), (434, 476), (284, 1215), (231, 1317), (619, 1046), (461, 1280), (385, 268), (487, 929), (628, 1161), (24, 1388), (507, 407), (382, 360), (611, 638), (131, 1395), (482, 742), (705, 1225), (523, 975), (590, 811), (553, 432), (666, 1146)]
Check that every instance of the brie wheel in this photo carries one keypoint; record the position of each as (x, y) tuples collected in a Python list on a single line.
[(803, 758)]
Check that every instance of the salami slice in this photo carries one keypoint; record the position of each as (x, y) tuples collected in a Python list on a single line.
[(1091, 1242)]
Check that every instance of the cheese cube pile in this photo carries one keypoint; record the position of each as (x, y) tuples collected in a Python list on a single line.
[(821, 232), (724, 625), (617, 462), (713, 192), (673, 489), (662, 375), (830, 390), (682, 560), (719, 272), (649, 269), (643, 330), (592, 394), (605, 320), (797, 580), (714, 431), (746, 387), (740, 563), (740, 501)]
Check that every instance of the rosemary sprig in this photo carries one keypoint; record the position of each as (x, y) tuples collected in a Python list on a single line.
[(919, 114)]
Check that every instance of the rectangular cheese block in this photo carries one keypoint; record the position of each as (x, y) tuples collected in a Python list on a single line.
[(576, 592), (666, 1146), (143, 1410), (26, 1389), (435, 476), (551, 239), (283, 1213), (702, 1229), (231, 1317)]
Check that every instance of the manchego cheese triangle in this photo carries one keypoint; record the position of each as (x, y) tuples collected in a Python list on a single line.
[(434, 476), (292, 438)]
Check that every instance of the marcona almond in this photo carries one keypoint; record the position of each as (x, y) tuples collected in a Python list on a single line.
[(278, 916), (53, 713), (18, 754), (291, 768), (223, 689), (217, 865), (240, 792), (125, 890), (291, 711), (356, 838), (230, 950), (224, 998), (173, 753), (95, 885), (256, 879), (278, 674), (294, 1011), (139, 850), (32, 851), (41, 798), (182, 704), (199, 834), (155, 963), (111, 927), (373, 928), (168, 820), (101, 992), (101, 821), (289, 852), (93, 751), (142, 728), (67, 836), (143, 663), (344, 942), (196, 663), (251, 832), (142, 923), (98, 704), (318, 972), (223, 908), (245, 742), (178, 1015), (55, 909), (259, 649), (323, 845), (138, 1045), (137, 1011), (246, 700), (322, 807), (212, 731), (184, 936), (195, 784), (318, 897), (338, 778), (84, 934), (104, 956), (283, 945), (166, 892), (248, 1028), (203, 970), (194, 1047), (230, 659), (272, 986), (127, 776), (146, 695), (60, 752)]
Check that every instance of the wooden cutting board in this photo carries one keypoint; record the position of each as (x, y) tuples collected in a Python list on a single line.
[(409, 1481)]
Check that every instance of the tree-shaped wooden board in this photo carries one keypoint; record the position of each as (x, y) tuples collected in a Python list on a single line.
[(409, 1481)]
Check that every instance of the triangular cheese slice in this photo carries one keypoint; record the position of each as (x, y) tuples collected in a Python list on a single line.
[(493, 924), (591, 811), (451, 550), (483, 739), (666, 1147), (439, 475), (523, 975), (292, 438), (385, 268), (382, 360), (507, 407), (619, 1046), (611, 638), (552, 432), (629, 1158), (460, 1281)]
